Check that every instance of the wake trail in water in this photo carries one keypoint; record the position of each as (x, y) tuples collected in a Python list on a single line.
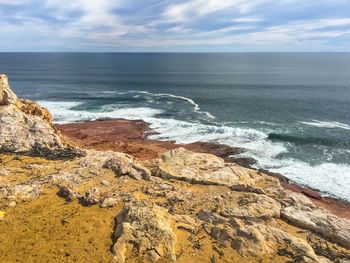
[(326, 124)]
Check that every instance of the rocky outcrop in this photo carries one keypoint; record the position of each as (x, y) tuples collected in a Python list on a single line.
[(145, 227), (254, 239), (251, 206), (182, 164), (321, 222), (126, 165), (25, 127), (7, 96)]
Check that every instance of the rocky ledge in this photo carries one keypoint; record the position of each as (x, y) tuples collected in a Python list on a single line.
[(107, 206), (26, 127)]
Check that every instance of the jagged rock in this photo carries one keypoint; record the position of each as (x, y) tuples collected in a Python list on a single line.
[(91, 197), (109, 202), (320, 221), (185, 222), (68, 192), (252, 206), (25, 127), (105, 183), (185, 165), (126, 165), (295, 199), (3, 192), (254, 239), (3, 172), (146, 228), (7, 96), (25, 191)]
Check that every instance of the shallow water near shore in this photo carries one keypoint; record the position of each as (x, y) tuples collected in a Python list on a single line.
[(289, 111)]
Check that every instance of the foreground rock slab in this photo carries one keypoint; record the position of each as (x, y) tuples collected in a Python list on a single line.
[(145, 227), (200, 168), (321, 222)]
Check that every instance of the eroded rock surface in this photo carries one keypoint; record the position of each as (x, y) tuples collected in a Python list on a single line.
[(254, 239), (7, 96), (25, 127), (321, 222), (145, 227), (182, 164)]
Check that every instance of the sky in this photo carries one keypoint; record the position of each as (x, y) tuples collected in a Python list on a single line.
[(174, 25)]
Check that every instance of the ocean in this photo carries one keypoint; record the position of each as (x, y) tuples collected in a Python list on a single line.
[(289, 111)]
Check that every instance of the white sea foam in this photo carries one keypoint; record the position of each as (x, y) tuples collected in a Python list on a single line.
[(327, 124), (64, 112), (331, 178)]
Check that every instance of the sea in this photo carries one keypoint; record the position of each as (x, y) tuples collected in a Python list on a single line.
[(290, 112)]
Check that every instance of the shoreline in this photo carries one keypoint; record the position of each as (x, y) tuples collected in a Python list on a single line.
[(130, 136)]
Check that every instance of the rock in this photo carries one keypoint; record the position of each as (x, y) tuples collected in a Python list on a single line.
[(25, 127), (144, 228), (165, 187), (109, 202), (26, 191), (126, 165), (91, 197), (295, 199), (105, 183), (181, 164), (11, 204), (7, 96), (254, 239), (252, 206), (3, 172), (320, 221), (185, 222), (68, 192)]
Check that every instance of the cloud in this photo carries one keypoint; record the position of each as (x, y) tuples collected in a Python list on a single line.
[(174, 25)]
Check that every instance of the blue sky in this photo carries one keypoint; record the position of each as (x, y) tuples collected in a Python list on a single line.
[(175, 25)]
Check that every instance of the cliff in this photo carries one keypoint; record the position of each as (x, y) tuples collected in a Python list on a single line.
[(107, 206)]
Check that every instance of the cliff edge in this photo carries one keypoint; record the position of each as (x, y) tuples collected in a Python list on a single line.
[(26, 127)]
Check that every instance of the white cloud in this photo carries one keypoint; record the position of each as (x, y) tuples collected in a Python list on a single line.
[(105, 24), (186, 10)]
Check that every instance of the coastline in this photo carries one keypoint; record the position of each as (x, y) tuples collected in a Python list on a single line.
[(63, 202), (130, 136)]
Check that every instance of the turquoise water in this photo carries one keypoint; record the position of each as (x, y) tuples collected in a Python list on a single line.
[(290, 111)]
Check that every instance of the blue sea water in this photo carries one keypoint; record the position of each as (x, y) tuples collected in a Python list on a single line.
[(290, 111)]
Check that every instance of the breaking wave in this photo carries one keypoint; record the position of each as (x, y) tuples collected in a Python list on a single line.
[(327, 124)]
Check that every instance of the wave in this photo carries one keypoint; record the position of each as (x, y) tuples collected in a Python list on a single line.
[(66, 112), (330, 178), (304, 140), (190, 101), (327, 124)]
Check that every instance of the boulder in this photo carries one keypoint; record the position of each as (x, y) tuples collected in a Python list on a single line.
[(255, 239), (182, 164), (125, 165), (252, 206), (109, 202), (320, 221), (25, 127), (7, 96), (144, 228)]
